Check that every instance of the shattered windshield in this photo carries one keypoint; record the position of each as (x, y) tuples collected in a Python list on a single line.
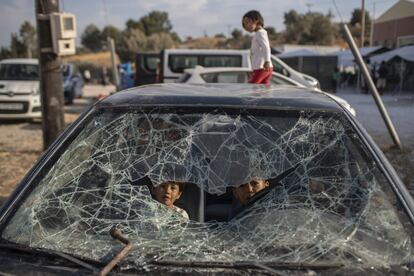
[(334, 206)]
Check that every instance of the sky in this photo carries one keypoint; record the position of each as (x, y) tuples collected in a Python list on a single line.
[(189, 17)]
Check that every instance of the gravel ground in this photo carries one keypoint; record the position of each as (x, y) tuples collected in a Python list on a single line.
[(21, 142)]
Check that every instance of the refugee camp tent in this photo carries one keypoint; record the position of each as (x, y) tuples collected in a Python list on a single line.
[(316, 64), (401, 67)]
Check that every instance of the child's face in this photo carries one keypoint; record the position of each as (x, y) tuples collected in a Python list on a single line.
[(249, 24), (167, 193), (246, 191)]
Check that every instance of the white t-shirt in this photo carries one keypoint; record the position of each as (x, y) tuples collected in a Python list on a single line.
[(182, 212), (260, 49)]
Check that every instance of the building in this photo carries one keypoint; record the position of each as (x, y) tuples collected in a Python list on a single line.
[(394, 28)]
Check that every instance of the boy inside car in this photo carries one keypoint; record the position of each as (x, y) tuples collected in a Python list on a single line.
[(244, 193), (169, 192)]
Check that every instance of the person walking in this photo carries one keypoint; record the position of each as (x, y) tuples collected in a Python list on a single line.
[(253, 22), (335, 78), (382, 77)]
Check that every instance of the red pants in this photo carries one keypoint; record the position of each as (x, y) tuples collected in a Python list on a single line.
[(261, 75)]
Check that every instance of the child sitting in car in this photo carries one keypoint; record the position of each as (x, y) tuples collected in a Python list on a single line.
[(244, 193), (167, 193)]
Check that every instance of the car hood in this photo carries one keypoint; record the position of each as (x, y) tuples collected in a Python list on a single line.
[(19, 86)]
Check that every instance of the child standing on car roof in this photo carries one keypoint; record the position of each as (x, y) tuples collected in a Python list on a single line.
[(262, 66)]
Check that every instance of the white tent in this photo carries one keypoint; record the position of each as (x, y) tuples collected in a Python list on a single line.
[(405, 53), (346, 59)]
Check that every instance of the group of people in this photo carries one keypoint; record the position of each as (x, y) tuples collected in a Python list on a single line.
[(379, 74), (169, 192)]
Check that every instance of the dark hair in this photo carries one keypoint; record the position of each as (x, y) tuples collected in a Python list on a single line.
[(255, 16)]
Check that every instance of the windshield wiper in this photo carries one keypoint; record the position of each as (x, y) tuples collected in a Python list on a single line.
[(268, 266), (83, 262), (116, 234)]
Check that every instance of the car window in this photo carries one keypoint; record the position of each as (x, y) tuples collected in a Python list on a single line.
[(151, 63), (334, 206), (222, 61), (178, 63), (279, 68), (24, 72), (275, 79), (225, 77), (184, 78)]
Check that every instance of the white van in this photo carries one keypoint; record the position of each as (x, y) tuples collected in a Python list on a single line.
[(19, 89), (174, 61)]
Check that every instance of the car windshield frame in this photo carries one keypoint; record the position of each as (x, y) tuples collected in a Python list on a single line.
[(184, 110)]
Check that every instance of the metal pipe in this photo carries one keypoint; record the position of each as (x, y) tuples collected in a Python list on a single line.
[(363, 68), (117, 235)]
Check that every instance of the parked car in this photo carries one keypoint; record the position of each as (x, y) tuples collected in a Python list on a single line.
[(242, 75), (173, 62), (333, 204), (282, 68), (19, 89), (72, 83)]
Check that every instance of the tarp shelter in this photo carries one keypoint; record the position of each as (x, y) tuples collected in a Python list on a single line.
[(346, 58), (313, 63), (405, 53), (401, 67)]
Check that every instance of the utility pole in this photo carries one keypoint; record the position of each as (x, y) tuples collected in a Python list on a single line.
[(115, 76), (51, 78), (364, 69), (371, 40), (309, 5), (362, 23)]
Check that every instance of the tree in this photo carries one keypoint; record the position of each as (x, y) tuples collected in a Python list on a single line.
[(294, 26), (17, 48), (5, 53), (28, 38), (159, 41), (175, 37), (271, 32), (309, 28), (156, 22), (357, 16), (237, 34), (132, 24), (111, 31), (92, 38), (355, 25), (133, 41)]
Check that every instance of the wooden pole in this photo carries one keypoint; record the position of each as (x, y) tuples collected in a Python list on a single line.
[(362, 23), (51, 79)]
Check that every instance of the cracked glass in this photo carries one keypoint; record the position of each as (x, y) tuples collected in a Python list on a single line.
[(334, 207)]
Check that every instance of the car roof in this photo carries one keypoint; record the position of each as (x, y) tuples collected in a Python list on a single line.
[(201, 69), (206, 51), (20, 61), (222, 95)]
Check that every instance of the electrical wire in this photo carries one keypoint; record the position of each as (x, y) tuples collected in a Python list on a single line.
[(338, 12)]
